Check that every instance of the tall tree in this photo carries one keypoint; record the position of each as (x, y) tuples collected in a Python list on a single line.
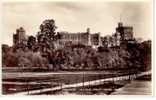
[(48, 28), (47, 34), (31, 42)]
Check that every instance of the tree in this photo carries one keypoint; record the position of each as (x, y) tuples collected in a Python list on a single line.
[(31, 42), (48, 28), (47, 34)]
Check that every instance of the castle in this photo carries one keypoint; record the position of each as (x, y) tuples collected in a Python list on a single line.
[(123, 34)]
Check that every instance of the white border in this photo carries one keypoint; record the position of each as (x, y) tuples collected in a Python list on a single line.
[(75, 97)]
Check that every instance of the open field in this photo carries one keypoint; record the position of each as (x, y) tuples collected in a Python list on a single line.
[(19, 82)]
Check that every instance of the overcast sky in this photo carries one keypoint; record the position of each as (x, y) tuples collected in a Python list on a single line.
[(76, 17)]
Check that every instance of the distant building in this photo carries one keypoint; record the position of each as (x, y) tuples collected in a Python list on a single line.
[(116, 39), (84, 38), (74, 38), (126, 32), (123, 34), (95, 39), (19, 36), (104, 41)]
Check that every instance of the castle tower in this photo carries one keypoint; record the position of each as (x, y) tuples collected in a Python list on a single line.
[(88, 30), (89, 36), (126, 32), (120, 24), (20, 36)]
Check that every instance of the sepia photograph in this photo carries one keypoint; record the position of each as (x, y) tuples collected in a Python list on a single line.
[(96, 47)]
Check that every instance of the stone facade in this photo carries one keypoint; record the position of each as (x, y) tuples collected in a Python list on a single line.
[(95, 39), (74, 38), (123, 34), (126, 32), (20, 36), (85, 38)]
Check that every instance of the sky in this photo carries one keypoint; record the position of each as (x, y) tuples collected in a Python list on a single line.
[(70, 16)]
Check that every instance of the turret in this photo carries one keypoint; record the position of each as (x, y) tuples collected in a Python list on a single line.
[(120, 24)]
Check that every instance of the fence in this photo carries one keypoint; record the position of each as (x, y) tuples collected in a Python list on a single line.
[(82, 84)]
